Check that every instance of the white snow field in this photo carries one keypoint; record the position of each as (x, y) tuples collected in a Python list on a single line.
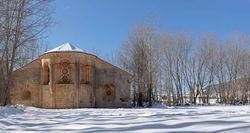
[(20, 118)]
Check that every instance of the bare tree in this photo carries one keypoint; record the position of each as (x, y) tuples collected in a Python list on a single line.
[(22, 23), (139, 56), (176, 52), (235, 62)]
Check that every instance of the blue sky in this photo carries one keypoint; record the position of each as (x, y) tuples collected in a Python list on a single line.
[(101, 26)]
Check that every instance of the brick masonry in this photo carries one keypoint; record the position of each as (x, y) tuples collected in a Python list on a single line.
[(70, 80)]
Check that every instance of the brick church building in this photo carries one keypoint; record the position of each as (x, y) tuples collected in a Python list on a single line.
[(67, 77)]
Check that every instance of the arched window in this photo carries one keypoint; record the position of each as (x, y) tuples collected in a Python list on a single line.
[(85, 74), (46, 74)]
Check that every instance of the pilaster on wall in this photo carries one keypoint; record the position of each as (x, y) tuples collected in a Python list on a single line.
[(51, 84), (92, 86), (77, 83)]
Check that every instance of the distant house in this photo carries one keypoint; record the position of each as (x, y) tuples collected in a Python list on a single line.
[(232, 91), (67, 77)]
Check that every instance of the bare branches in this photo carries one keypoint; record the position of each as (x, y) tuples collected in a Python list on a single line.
[(22, 24), (139, 56), (188, 69)]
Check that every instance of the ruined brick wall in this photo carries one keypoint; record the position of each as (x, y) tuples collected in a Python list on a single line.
[(70, 80), (123, 82), (112, 85), (25, 87)]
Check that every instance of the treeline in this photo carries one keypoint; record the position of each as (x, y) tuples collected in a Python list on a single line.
[(178, 69), (22, 26)]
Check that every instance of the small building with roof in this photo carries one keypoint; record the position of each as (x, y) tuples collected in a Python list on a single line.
[(68, 77)]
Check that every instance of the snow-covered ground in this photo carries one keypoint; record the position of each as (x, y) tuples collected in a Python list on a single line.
[(167, 119)]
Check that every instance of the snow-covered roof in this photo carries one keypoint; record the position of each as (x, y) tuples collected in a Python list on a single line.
[(68, 47), (65, 47)]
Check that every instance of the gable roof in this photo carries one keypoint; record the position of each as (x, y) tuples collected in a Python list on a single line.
[(65, 47)]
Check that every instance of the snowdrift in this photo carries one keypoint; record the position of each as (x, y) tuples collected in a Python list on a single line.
[(19, 118)]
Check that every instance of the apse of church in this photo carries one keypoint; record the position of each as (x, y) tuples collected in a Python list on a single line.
[(67, 77)]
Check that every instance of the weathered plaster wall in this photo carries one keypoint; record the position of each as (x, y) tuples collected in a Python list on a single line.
[(71, 80), (25, 88), (110, 78), (75, 93)]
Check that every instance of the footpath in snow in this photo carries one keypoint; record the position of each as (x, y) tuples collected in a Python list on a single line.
[(20, 118)]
